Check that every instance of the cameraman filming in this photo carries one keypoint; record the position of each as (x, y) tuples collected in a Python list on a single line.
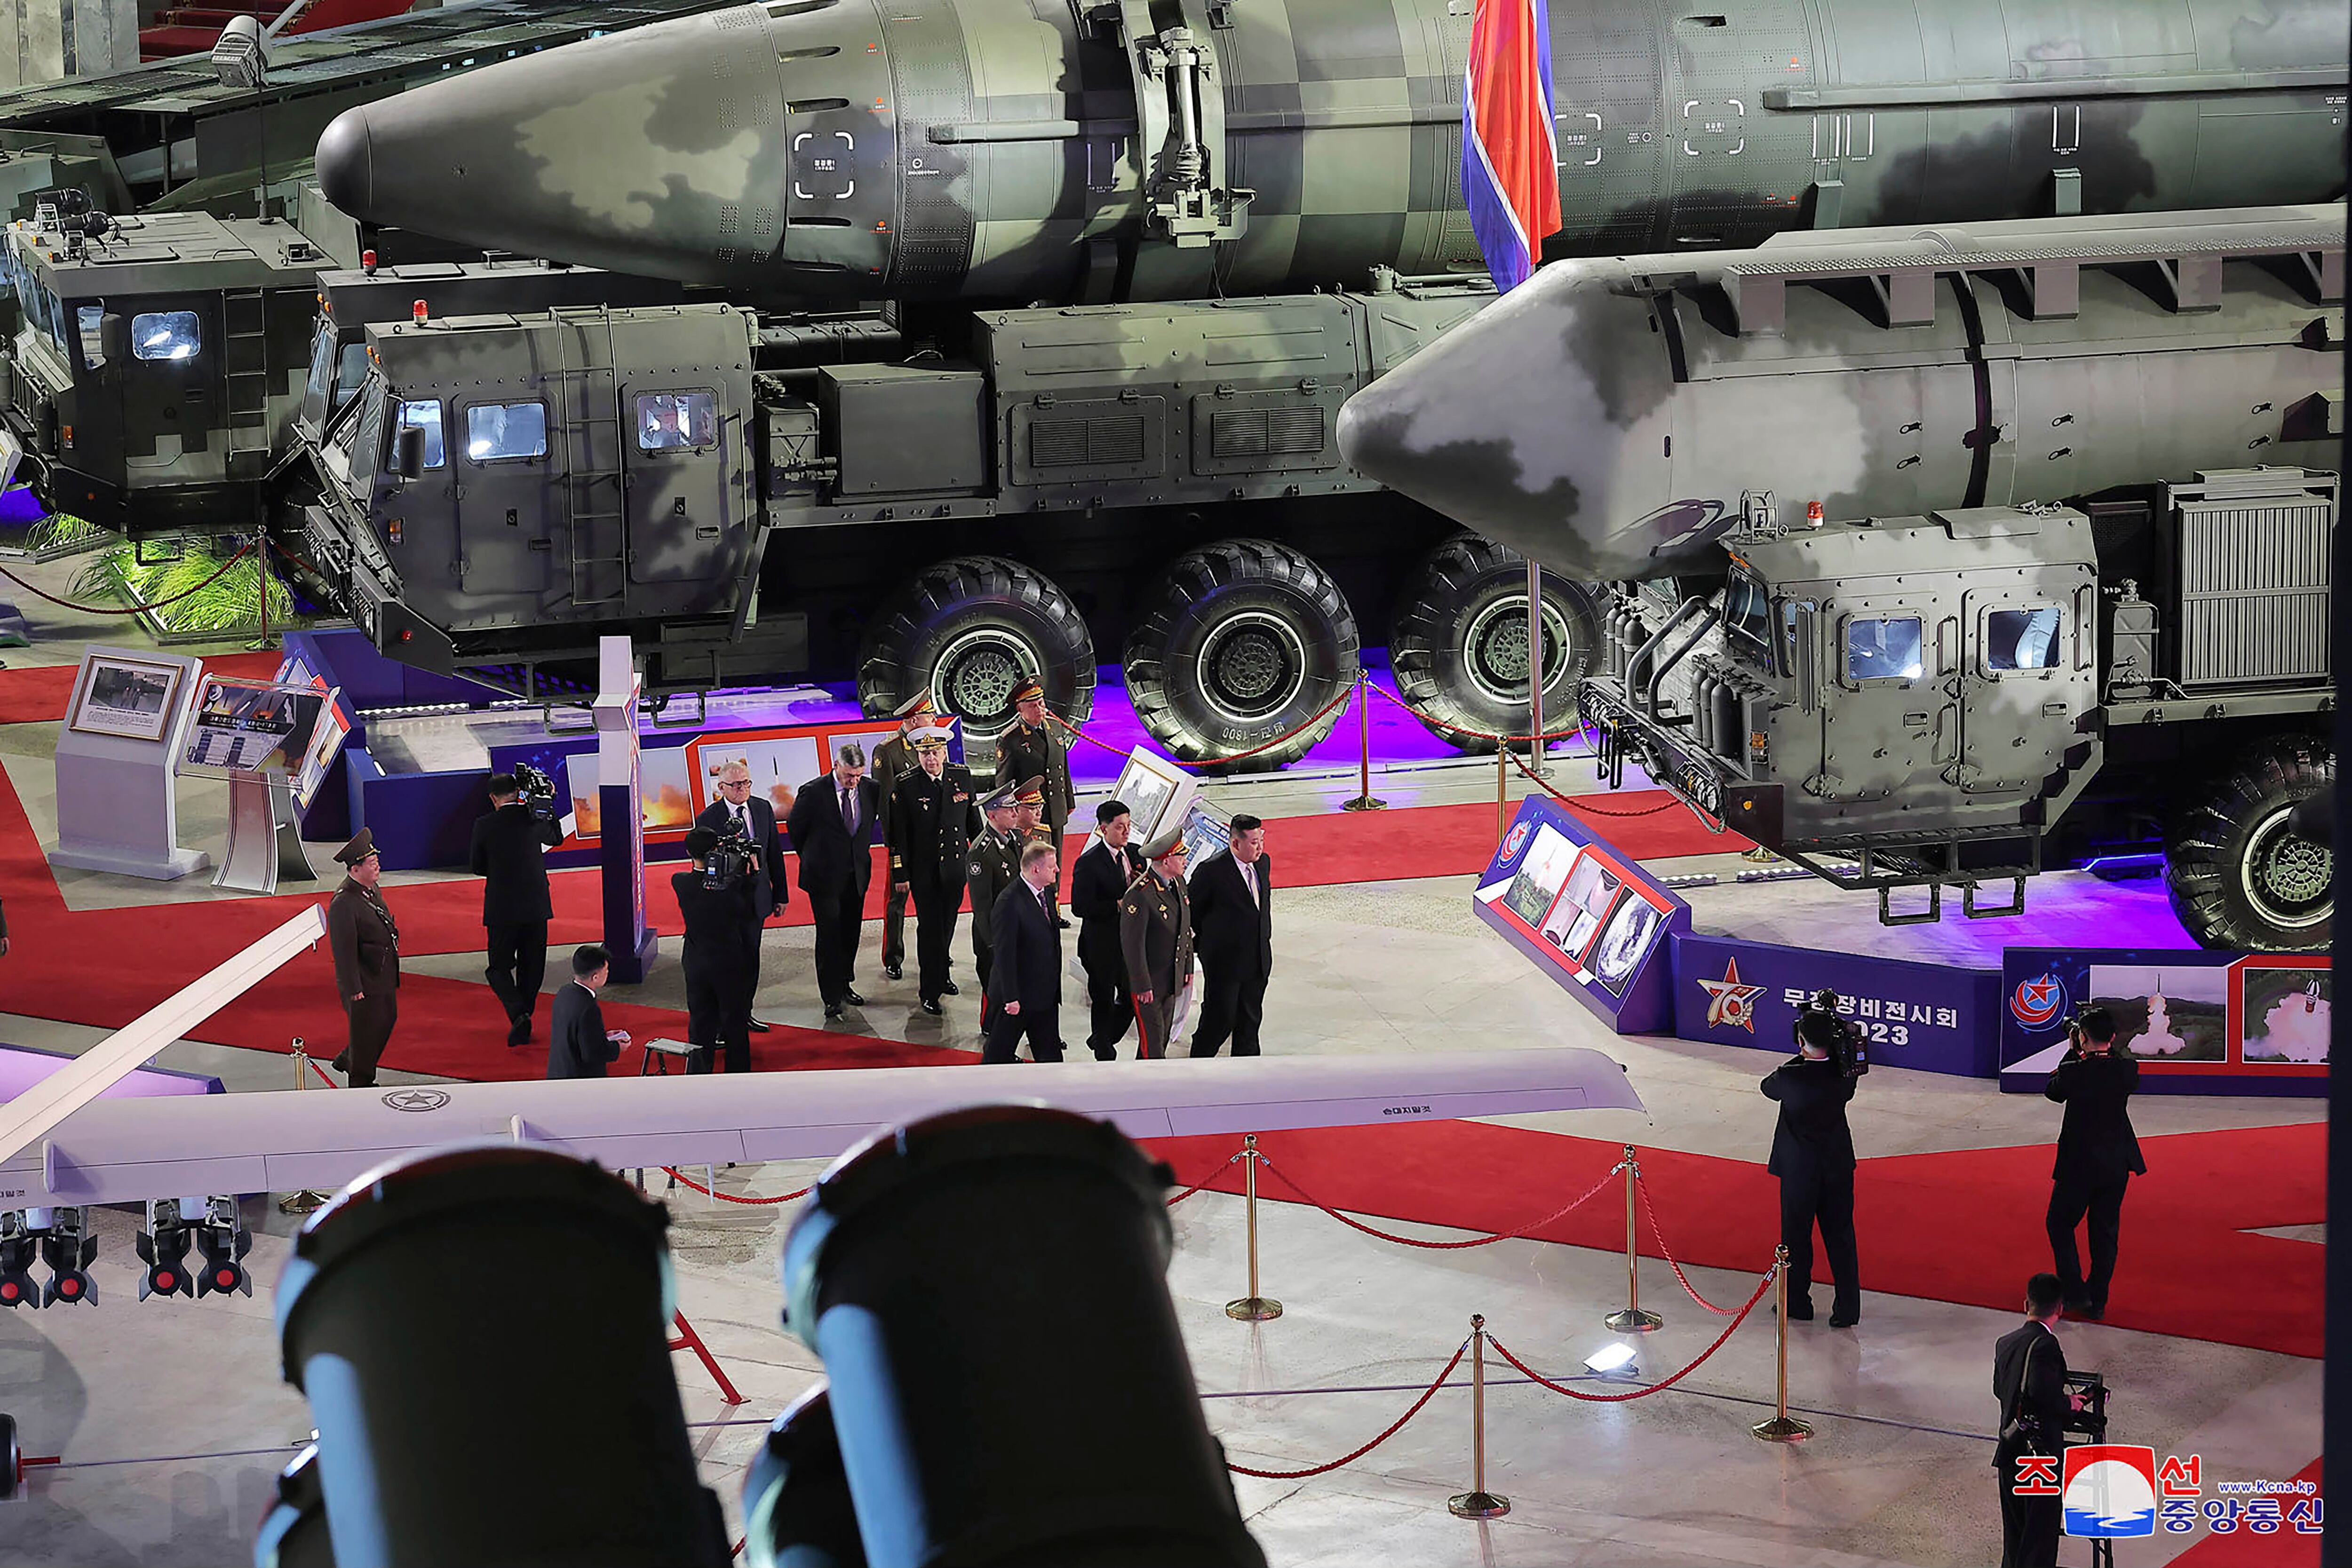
[(1812, 1153), (2099, 1155), (509, 853), (715, 897), (2029, 1378)]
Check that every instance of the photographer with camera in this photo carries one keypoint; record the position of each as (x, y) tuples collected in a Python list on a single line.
[(1812, 1153), (715, 899), (2099, 1155), (2029, 1378), (509, 853)]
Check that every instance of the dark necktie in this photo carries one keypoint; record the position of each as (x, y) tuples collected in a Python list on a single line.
[(849, 810)]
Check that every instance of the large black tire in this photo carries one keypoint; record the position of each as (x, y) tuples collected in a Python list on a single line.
[(1459, 643), (1242, 641), (970, 630), (2240, 875)]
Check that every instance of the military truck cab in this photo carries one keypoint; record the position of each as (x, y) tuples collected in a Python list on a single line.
[(157, 365), (1965, 698)]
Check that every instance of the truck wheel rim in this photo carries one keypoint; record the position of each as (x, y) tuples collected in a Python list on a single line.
[(1252, 665), (976, 675), (1495, 649), (2286, 878)]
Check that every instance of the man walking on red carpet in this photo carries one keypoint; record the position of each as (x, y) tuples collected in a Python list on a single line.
[(2099, 1155), (366, 945), (1232, 931)]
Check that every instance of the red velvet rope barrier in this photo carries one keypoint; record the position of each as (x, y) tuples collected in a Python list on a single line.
[(1501, 1350), (1204, 1181), (135, 609), (1642, 1183), (732, 1198), (1577, 803), (1520, 1234), (1398, 1426), (1312, 719), (1437, 723)]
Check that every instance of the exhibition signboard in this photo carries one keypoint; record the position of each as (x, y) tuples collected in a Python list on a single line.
[(1932, 1018), (2196, 1021)]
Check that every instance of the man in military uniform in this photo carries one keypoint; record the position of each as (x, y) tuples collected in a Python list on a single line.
[(1155, 930), (1103, 874), (894, 759), (931, 820), (366, 945), (1035, 748), (994, 862)]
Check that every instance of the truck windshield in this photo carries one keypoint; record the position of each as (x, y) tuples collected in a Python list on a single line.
[(1747, 614), (362, 441)]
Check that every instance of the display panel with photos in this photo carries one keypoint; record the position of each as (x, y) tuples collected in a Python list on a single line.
[(327, 742), (2168, 1014), (2287, 1008), (132, 698), (2192, 1016), (1207, 831), (251, 727), (1153, 789), (1594, 917)]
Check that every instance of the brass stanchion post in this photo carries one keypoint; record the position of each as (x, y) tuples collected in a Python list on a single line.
[(307, 1200), (1252, 1307), (1783, 1427), (1364, 801), (1535, 669), (1502, 788), (1477, 1502), (1632, 1320)]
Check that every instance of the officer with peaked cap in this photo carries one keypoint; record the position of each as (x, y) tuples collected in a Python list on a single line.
[(894, 759), (1155, 930), (932, 816), (990, 866), (366, 945), (1035, 748), (1029, 826)]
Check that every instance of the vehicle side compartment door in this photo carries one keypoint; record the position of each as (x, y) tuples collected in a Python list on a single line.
[(502, 437), (681, 453), (1878, 718), (2029, 674)]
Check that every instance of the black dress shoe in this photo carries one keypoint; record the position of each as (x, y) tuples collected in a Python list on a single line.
[(853, 998), (2089, 1311), (833, 1012), (519, 1032), (1840, 1321), (1800, 1310), (894, 972), (2077, 1303), (342, 1062), (930, 1005), (948, 989), (759, 1026)]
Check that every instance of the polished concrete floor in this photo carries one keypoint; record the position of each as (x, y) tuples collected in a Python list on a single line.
[(171, 1416)]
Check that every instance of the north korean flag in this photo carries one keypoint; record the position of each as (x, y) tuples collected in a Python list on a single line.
[(1509, 173)]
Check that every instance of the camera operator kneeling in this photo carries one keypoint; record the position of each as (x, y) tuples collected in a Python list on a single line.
[(715, 899), (1812, 1153)]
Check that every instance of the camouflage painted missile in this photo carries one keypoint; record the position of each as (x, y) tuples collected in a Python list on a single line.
[(1092, 150), (1616, 417)]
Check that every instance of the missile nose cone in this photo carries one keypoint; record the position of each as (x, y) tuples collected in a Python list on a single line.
[(1539, 422), (343, 162)]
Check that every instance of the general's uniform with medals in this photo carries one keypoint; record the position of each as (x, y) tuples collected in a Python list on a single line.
[(1155, 929), (365, 941), (1041, 753)]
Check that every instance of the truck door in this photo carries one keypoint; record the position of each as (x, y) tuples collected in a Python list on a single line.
[(681, 529), (1878, 726), (2026, 679), (504, 492)]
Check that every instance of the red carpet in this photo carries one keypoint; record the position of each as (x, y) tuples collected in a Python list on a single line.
[(38, 694), (1963, 1228), (2241, 1548)]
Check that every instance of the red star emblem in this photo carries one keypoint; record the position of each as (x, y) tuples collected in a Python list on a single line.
[(1730, 1005)]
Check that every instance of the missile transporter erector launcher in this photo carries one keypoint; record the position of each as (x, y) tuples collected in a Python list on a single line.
[(1944, 556)]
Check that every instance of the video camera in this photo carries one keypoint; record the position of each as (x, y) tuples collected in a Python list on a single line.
[(730, 859), (1848, 1046), (538, 792)]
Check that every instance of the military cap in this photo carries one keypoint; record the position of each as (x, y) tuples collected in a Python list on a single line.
[(1168, 843), (1028, 692), (362, 846), (999, 799), (1032, 791), (929, 738), (919, 706)]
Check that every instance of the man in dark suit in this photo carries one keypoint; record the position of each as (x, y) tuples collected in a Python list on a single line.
[(366, 945), (1233, 929), (509, 854), (717, 981), (736, 809), (578, 1044), (2099, 1155), (2029, 1378), (1024, 976), (1035, 748), (932, 818), (995, 865), (1812, 1153), (1155, 928), (1106, 869), (834, 828)]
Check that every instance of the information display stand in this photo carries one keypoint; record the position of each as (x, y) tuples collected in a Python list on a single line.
[(118, 802), (260, 735)]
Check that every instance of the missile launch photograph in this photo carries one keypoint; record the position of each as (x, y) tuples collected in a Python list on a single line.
[(1183, 516)]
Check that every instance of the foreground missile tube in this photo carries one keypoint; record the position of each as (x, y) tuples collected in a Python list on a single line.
[(1615, 417), (1091, 152)]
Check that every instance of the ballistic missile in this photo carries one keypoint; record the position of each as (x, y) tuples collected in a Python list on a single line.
[(1097, 150), (1616, 417)]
